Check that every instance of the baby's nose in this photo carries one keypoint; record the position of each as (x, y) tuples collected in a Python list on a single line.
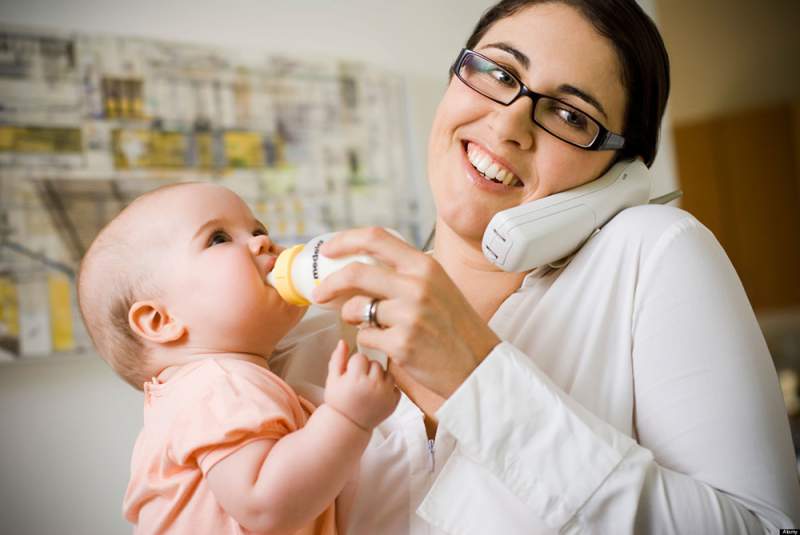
[(260, 244)]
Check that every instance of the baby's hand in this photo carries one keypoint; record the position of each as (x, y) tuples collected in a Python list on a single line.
[(359, 388)]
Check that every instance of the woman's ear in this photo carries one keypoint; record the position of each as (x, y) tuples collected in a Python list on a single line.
[(151, 321)]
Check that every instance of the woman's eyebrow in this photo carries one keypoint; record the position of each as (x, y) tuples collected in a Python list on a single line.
[(564, 89), (518, 55), (567, 89)]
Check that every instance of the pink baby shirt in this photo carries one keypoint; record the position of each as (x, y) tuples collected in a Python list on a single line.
[(205, 412)]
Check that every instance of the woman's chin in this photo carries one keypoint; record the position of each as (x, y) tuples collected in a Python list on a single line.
[(467, 226)]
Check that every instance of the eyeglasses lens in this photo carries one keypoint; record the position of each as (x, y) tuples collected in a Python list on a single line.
[(558, 118), (488, 78)]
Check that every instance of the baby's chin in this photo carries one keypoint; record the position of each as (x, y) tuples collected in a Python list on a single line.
[(288, 313), (296, 312)]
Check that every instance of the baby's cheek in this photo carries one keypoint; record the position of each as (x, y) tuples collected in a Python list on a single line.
[(237, 275), (231, 285), (248, 292)]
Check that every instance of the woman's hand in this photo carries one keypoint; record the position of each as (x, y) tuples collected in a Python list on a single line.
[(428, 327)]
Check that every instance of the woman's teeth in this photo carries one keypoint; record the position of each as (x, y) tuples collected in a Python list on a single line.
[(490, 169)]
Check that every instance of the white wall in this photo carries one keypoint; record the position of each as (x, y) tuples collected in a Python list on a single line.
[(67, 427), (66, 434)]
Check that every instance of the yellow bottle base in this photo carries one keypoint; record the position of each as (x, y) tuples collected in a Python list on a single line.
[(282, 277)]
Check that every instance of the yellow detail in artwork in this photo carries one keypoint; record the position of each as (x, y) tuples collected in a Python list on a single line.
[(7, 138), (148, 149), (40, 140), (204, 144), (59, 289), (9, 308), (243, 150)]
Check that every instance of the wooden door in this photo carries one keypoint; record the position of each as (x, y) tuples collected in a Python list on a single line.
[(739, 174)]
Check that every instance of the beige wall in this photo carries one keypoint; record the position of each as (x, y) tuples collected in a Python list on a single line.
[(730, 55)]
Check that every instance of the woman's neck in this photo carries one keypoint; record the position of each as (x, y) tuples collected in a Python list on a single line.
[(484, 285)]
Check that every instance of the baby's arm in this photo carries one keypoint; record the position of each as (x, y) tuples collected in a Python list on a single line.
[(279, 486)]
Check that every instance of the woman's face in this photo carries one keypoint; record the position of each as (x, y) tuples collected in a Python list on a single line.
[(556, 52)]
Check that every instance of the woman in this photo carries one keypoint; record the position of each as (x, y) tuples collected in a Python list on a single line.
[(629, 390)]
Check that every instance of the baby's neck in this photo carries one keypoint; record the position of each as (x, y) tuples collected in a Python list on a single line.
[(167, 367)]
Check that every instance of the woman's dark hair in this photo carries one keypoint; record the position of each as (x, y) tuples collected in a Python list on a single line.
[(642, 55)]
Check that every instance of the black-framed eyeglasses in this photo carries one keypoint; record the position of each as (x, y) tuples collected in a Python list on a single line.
[(554, 116)]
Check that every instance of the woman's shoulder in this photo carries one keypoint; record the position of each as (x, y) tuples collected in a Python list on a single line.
[(644, 236), (651, 227), (650, 220)]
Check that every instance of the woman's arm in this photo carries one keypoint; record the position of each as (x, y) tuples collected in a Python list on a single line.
[(528, 452), (713, 452)]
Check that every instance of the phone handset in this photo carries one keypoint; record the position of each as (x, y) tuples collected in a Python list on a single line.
[(549, 229)]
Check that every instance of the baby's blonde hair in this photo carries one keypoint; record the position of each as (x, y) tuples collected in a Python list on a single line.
[(114, 273)]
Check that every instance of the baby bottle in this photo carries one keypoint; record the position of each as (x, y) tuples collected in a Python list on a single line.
[(301, 268)]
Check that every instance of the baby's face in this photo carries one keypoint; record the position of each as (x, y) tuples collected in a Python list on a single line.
[(213, 271)]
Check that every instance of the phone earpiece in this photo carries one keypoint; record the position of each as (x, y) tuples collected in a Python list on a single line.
[(547, 230)]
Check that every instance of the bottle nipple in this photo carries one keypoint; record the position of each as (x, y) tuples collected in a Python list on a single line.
[(280, 277)]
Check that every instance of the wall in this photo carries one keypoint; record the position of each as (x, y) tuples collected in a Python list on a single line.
[(735, 82), (730, 55), (732, 59), (67, 427)]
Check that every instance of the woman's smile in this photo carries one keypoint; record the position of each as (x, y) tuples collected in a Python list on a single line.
[(490, 167)]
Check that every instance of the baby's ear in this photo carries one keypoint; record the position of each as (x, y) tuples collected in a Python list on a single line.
[(152, 321)]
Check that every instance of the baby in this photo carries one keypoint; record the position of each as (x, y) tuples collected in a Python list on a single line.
[(173, 294)]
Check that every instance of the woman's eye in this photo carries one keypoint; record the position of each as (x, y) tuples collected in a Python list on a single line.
[(573, 118), (503, 77), (218, 237)]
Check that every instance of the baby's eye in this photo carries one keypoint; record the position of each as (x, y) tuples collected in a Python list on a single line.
[(260, 232), (217, 237)]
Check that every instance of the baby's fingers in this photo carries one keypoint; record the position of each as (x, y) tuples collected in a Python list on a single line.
[(375, 371), (358, 364), (338, 361)]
